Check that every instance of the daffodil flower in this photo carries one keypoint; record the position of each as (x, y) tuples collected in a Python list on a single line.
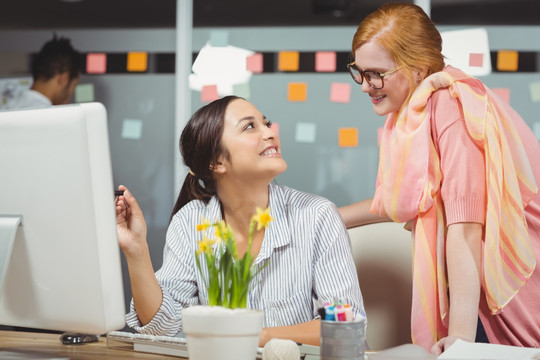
[(221, 230), (228, 276), (205, 223), (262, 218), (205, 245)]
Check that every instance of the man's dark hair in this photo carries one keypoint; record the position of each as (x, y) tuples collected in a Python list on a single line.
[(55, 57)]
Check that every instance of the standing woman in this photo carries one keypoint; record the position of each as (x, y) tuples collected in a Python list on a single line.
[(460, 167), (233, 155)]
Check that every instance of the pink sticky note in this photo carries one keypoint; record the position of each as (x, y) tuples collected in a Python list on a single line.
[(340, 92), (254, 63), (503, 93), (325, 61), (275, 127), (96, 63), (476, 59), (209, 93), (379, 136)]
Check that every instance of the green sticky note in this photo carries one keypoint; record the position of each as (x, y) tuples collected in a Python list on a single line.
[(84, 93), (241, 90)]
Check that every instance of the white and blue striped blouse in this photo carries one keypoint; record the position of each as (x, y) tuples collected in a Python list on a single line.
[(309, 258)]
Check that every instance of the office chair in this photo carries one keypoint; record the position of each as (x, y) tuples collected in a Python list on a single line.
[(382, 254)]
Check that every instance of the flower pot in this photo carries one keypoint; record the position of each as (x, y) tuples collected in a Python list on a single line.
[(214, 332)]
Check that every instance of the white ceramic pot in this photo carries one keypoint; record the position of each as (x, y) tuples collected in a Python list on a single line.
[(217, 333)]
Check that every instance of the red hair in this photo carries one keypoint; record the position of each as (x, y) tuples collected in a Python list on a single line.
[(408, 34)]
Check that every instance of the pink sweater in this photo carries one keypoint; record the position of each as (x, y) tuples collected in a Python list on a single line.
[(463, 191)]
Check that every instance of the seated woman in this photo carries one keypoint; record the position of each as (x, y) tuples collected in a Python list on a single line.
[(233, 155)]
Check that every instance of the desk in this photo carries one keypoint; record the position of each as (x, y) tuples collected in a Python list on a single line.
[(48, 345)]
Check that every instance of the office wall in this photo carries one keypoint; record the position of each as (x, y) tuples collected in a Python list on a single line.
[(147, 166)]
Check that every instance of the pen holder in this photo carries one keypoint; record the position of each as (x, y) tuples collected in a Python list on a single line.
[(343, 340)]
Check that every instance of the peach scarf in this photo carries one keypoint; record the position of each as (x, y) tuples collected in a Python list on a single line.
[(408, 184)]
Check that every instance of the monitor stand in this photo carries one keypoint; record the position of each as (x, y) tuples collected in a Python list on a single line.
[(9, 224)]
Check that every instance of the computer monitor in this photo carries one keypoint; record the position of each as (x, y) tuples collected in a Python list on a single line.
[(60, 265)]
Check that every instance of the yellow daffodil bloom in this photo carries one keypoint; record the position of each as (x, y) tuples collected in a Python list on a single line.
[(221, 230), (204, 225), (262, 217), (205, 245)]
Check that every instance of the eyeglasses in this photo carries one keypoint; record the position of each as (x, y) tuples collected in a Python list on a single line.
[(375, 79)]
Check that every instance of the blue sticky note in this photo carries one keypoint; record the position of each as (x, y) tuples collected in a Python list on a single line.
[(132, 129), (305, 132), (219, 38), (534, 88)]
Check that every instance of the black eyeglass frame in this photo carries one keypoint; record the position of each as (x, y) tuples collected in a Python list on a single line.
[(352, 65)]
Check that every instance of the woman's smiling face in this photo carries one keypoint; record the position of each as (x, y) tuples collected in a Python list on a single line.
[(389, 99), (254, 147)]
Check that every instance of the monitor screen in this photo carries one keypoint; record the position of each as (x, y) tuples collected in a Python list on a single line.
[(60, 265)]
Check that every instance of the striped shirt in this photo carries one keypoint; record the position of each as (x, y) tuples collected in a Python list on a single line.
[(309, 258)]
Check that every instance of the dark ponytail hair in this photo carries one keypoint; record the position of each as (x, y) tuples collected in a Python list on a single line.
[(200, 146)]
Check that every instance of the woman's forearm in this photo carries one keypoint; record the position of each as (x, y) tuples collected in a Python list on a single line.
[(463, 256), (359, 213), (146, 291), (304, 333)]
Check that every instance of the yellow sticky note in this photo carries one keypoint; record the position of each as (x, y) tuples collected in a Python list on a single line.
[(137, 61), (297, 92), (288, 61), (348, 137), (507, 60)]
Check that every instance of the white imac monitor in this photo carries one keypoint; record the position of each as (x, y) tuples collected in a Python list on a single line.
[(60, 265)]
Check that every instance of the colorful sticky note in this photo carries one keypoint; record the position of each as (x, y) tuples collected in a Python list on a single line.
[(297, 92), (503, 93), (219, 38), (536, 129), (507, 60), (340, 92), (275, 127), (325, 61), (476, 59), (305, 132), (534, 88), (242, 90), (288, 60), (209, 93), (137, 61), (96, 63), (458, 45), (348, 137), (132, 129), (254, 63), (84, 93)]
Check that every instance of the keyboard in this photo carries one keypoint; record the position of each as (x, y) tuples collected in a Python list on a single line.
[(176, 346)]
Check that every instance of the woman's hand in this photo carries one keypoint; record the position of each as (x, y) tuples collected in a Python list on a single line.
[(130, 223), (443, 344)]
